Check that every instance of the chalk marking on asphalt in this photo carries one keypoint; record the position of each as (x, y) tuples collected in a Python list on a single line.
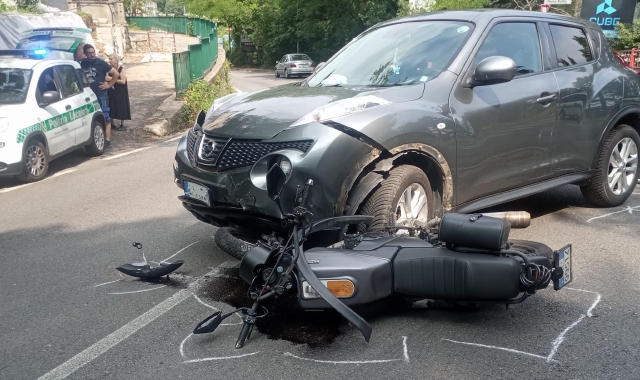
[(208, 359), (593, 306), (216, 309), (106, 283), (174, 139), (106, 343), (500, 348), (172, 256), (58, 174), (405, 358), (405, 351), (628, 209), (560, 338), (343, 361), (139, 291), (125, 153), (557, 342)]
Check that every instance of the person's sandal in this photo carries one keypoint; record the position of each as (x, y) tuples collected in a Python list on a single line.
[(122, 128)]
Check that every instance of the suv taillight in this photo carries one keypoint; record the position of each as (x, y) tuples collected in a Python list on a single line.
[(293, 65)]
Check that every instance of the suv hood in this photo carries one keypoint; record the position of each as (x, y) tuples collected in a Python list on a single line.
[(263, 114)]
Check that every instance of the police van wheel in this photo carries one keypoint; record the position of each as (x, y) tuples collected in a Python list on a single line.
[(96, 146), (35, 162)]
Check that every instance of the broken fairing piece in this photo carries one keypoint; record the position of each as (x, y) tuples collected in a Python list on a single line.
[(145, 271)]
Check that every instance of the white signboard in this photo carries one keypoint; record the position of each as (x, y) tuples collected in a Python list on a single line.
[(557, 2)]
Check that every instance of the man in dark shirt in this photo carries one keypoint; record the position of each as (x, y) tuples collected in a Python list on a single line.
[(96, 69)]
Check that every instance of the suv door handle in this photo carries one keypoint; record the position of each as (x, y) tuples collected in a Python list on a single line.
[(87, 100), (67, 107), (546, 98)]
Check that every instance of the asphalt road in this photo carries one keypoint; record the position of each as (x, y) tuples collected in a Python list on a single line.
[(67, 313)]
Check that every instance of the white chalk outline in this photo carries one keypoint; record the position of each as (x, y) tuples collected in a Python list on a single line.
[(555, 344), (628, 209), (208, 359), (140, 291), (172, 256), (216, 309), (405, 357), (106, 283)]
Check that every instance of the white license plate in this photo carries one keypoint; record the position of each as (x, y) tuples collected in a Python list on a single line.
[(562, 259), (304, 65), (196, 191)]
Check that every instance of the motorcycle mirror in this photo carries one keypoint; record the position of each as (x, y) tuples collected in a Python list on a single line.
[(275, 182), (209, 324)]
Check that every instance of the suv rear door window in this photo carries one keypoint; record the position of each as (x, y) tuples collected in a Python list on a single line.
[(572, 45), (516, 40)]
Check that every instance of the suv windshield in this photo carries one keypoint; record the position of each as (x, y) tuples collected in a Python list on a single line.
[(394, 55), (13, 85)]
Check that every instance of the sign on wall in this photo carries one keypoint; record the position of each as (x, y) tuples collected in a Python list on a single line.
[(608, 13), (557, 2)]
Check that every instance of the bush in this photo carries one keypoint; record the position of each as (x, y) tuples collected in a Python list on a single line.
[(201, 94), (134, 26)]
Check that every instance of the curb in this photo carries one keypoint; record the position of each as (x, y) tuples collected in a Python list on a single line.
[(166, 120)]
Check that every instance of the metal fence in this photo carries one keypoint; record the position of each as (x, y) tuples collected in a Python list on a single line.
[(191, 64)]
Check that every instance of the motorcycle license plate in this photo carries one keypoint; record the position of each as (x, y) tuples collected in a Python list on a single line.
[(196, 191), (562, 259)]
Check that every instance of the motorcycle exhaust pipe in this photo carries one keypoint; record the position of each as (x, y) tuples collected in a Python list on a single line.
[(517, 219)]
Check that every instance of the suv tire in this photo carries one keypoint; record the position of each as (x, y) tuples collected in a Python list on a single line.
[(234, 242), (96, 146), (386, 198), (35, 163), (598, 190)]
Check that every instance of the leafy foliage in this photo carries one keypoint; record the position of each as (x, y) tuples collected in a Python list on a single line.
[(201, 94), (628, 36), (28, 5), (174, 7)]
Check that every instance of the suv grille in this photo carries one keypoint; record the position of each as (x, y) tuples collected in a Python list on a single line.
[(240, 153), (237, 153)]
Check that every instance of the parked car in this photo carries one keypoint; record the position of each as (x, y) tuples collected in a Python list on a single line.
[(294, 64), (443, 112), (46, 110), (626, 64)]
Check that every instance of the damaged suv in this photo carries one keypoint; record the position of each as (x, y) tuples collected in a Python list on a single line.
[(420, 116)]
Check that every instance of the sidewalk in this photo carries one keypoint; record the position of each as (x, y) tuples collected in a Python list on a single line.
[(150, 83)]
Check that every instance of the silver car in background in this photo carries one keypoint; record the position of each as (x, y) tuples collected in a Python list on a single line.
[(294, 64)]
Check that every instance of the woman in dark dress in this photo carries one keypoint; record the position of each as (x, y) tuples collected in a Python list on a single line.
[(119, 95)]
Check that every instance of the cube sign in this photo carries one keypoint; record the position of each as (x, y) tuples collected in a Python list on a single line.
[(608, 13)]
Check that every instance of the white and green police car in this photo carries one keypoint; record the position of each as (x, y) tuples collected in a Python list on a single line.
[(46, 110)]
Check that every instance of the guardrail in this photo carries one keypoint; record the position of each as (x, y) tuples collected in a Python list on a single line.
[(191, 64)]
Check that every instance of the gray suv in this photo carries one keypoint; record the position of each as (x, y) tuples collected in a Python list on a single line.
[(424, 115)]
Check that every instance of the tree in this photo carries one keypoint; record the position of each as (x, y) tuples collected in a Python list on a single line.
[(628, 36), (134, 7), (28, 5), (460, 4), (174, 7)]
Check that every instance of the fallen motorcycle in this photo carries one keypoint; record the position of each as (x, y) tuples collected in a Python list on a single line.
[(461, 258)]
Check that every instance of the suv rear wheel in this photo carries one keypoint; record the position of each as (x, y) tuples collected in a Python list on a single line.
[(96, 146), (617, 171), (406, 193)]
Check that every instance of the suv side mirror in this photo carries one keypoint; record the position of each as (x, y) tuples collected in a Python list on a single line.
[(492, 70), (50, 97)]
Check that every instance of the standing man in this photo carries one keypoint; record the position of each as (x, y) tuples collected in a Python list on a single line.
[(96, 69)]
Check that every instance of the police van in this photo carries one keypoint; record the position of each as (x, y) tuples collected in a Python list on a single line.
[(46, 108)]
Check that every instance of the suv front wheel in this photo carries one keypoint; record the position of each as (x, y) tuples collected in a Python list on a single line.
[(617, 170), (35, 162)]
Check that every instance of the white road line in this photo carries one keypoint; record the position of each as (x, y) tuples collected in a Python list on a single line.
[(125, 154), (63, 172), (140, 291), (501, 348), (172, 256), (174, 139), (405, 351), (102, 346), (106, 283)]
